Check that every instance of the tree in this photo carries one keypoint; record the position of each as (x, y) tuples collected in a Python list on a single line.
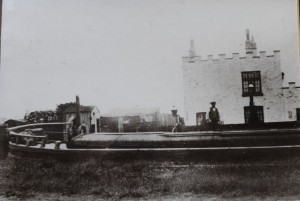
[(41, 116), (60, 110), (48, 115)]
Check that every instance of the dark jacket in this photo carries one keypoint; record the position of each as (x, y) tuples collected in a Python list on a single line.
[(214, 115)]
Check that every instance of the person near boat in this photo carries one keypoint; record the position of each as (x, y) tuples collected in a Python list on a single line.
[(214, 116)]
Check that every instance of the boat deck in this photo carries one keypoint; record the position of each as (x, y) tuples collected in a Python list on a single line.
[(270, 137)]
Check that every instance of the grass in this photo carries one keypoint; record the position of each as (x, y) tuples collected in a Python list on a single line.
[(140, 179)]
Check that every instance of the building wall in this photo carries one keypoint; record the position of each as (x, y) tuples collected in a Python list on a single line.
[(84, 118), (167, 120), (87, 118), (95, 114), (220, 80), (138, 122), (292, 101)]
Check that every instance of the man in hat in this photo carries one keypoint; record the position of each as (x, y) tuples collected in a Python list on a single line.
[(214, 116)]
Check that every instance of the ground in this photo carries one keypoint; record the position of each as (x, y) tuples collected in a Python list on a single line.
[(187, 197), (143, 180)]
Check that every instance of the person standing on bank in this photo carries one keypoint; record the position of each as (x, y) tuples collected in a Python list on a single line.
[(214, 116)]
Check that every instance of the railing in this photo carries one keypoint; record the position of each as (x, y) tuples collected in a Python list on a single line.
[(36, 135), (38, 124), (29, 139)]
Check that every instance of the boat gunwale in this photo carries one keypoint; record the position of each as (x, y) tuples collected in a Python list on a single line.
[(35, 148)]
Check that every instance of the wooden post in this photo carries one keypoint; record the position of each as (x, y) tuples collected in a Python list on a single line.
[(44, 141), (17, 140), (78, 120), (3, 141), (57, 144)]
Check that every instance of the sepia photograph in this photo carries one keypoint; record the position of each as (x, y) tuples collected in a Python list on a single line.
[(164, 100)]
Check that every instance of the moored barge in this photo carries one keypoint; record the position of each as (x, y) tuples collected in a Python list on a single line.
[(194, 146)]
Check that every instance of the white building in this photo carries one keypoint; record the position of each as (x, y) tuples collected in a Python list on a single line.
[(89, 117), (226, 80)]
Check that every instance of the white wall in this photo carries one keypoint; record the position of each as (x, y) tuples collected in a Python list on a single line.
[(95, 114), (220, 80), (292, 101)]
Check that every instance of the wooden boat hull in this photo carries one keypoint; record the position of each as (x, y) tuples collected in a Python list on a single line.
[(226, 154), (262, 145), (203, 154)]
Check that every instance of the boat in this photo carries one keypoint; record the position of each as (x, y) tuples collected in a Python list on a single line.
[(31, 141)]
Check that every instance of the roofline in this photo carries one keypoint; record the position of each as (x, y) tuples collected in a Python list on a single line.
[(93, 107), (80, 112), (131, 115)]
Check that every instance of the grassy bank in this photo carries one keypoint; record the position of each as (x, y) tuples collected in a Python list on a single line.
[(140, 179)]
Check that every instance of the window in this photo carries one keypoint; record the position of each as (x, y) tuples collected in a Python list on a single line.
[(251, 77), (98, 125), (290, 114), (259, 112), (92, 128), (200, 118), (298, 114)]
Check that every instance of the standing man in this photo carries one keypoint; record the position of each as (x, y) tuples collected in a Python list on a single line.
[(214, 116)]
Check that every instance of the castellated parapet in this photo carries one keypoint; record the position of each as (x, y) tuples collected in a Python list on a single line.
[(221, 57)]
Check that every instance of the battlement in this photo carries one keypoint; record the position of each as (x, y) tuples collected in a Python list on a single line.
[(235, 56), (250, 47)]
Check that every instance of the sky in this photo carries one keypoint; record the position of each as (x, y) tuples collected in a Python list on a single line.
[(124, 54)]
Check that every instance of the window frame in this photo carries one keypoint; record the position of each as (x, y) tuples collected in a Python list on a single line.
[(203, 114), (251, 77), (257, 109)]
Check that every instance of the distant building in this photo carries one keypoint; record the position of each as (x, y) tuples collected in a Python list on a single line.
[(89, 116), (226, 81), (135, 120)]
